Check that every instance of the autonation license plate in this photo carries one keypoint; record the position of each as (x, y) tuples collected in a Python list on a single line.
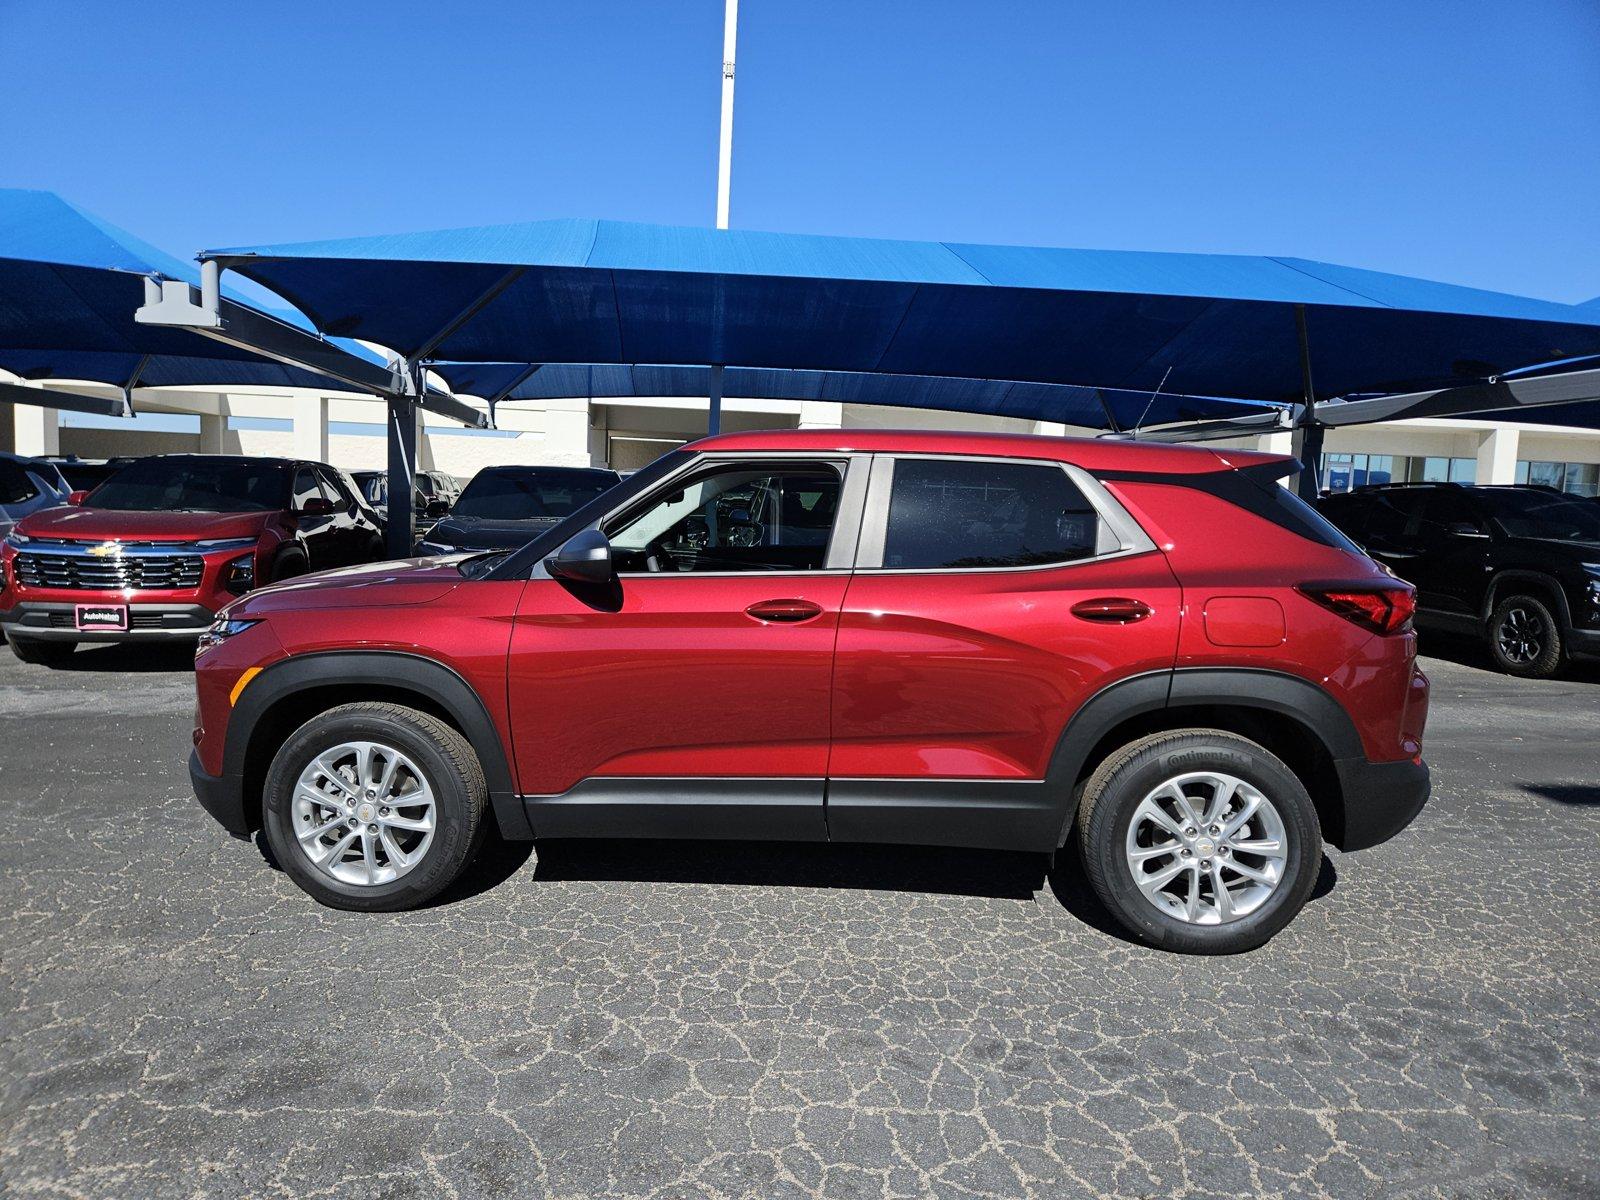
[(100, 618)]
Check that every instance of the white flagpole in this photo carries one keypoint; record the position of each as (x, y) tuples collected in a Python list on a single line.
[(730, 25)]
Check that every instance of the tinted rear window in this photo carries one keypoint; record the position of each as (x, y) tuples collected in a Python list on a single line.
[(15, 484), (953, 514)]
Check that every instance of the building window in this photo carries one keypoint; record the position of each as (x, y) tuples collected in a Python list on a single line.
[(1343, 472), (1579, 479), (1442, 470)]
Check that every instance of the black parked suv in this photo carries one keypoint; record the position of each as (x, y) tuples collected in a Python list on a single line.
[(1518, 566)]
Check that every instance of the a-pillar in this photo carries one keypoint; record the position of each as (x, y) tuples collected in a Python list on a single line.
[(399, 525), (38, 430), (1497, 455), (311, 427)]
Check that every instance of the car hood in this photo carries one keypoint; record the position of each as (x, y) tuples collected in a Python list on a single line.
[(109, 524), (475, 533), (385, 584)]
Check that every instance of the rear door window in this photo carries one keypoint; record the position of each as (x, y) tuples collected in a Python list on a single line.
[(306, 487), (955, 514)]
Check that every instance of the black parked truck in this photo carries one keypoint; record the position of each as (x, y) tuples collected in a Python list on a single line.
[(1516, 565)]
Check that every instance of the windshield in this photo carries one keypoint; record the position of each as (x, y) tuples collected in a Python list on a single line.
[(500, 495), (195, 485), (1542, 514)]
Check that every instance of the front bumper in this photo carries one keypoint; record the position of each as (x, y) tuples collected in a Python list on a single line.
[(43, 620), (220, 795), (1380, 799)]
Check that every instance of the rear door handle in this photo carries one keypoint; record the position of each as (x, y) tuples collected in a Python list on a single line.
[(1111, 610), (788, 612)]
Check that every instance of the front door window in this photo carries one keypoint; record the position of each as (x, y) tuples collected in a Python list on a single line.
[(743, 517)]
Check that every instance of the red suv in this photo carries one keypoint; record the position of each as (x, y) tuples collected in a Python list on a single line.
[(157, 549), (946, 639)]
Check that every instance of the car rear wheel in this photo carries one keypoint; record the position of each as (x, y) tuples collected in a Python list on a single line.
[(1199, 841), (1525, 638), (375, 807), (37, 650)]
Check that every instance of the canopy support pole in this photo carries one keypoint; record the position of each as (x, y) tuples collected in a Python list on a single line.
[(174, 303), (399, 528), (495, 399), (38, 397), (1309, 439), (1105, 407), (425, 351), (714, 414)]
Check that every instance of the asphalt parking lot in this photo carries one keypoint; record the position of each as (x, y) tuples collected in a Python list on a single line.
[(685, 1020)]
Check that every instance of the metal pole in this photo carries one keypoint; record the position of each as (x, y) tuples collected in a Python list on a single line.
[(730, 25), (399, 525), (714, 416), (1310, 449)]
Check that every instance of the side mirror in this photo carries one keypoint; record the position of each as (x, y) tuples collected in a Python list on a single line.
[(437, 509), (586, 558), (1464, 529), (77, 497), (317, 507)]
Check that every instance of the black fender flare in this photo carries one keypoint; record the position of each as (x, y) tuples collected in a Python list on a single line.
[(1236, 687), (1548, 585), (391, 671)]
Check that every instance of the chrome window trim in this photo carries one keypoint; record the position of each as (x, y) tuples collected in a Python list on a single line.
[(1130, 537)]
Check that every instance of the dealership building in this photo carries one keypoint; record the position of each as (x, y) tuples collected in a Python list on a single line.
[(348, 430)]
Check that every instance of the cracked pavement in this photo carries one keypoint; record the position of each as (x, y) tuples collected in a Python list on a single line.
[(698, 1019)]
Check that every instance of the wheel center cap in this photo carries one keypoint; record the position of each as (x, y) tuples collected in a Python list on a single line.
[(364, 812), (1205, 845)]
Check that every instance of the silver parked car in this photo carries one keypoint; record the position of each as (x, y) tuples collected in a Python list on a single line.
[(26, 485)]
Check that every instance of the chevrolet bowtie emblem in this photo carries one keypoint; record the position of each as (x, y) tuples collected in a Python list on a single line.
[(105, 549)]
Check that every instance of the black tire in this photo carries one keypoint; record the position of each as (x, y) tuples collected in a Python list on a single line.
[(41, 652), (451, 770), (287, 565), (1127, 776), (1525, 637)]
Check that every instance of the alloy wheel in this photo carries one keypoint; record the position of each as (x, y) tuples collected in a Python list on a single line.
[(363, 813), (1207, 848), (1520, 635)]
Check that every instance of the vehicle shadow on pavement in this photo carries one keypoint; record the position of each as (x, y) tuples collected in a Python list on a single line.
[(1579, 795), (125, 658), (1069, 883), (1470, 652), (936, 870), (497, 862)]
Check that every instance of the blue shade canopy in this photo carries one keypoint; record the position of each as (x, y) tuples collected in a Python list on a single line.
[(1191, 324), (1084, 407), (69, 285)]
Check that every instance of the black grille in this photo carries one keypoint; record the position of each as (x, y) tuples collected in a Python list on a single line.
[(36, 569)]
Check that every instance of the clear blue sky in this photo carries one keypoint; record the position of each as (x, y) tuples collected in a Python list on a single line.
[(1455, 140)]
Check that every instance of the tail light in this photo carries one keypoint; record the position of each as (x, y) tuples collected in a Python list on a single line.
[(1380, 609)]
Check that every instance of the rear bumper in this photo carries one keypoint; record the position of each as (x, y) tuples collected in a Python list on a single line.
[(1380, 799), (44, 620), (220, 795)]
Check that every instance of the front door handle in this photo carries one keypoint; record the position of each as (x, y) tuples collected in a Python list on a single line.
[(1111, 610), (788, 612)]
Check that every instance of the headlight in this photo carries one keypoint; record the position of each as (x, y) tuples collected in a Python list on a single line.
[(221, 630), (239, 576), (435, 548), (225, 544)]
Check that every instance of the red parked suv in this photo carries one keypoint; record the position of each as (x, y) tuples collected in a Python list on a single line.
[(157, 549), (948, 639)]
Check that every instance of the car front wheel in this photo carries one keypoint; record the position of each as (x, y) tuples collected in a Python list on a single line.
[(1199, 841), (375, 807)]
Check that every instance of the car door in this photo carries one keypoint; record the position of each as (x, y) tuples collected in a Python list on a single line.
[(691, 697), (318, 530), (1452, 548), (991, 599)]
